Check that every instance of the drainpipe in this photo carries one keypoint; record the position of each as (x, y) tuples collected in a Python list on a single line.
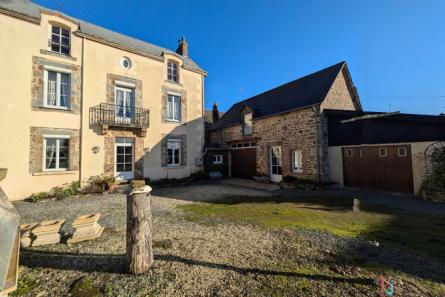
[(81, 109), (317, 140)]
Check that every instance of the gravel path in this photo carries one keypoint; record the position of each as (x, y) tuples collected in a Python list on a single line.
[(208, 258)]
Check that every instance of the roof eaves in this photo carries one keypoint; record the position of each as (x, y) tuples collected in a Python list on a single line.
[(19, 15)]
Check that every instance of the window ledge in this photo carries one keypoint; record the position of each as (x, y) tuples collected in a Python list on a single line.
[(46, 52), (173, 121), (48, 108), (175, 166), (55, 172), (173, 83), (298, 170)]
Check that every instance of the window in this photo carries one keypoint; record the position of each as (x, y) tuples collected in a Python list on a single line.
[(297, 161), (247, 129), (174, 108), (174, 152), (126, 63), (401, 152), (60, 40), (55, 153), (57, 89), (349, 153), (217, 159), (382, 152), (172, 71)]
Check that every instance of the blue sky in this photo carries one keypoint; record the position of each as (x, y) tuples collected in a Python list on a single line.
[(395, 49)]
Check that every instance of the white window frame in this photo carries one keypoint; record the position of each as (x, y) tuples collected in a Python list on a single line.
[(174, 106), (405, 154), (175, 75), (173, 153), (384, 150), (59, 43), (58, 137), (247, 127), (218, 159), (297, 161), (58, 72)]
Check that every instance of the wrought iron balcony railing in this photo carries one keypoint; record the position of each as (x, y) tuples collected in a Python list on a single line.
[(119, 116)]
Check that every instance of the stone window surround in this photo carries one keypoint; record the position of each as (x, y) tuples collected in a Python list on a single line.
[(164, 152), (38, 84), (36, 154), (113, 80), (164, 102)]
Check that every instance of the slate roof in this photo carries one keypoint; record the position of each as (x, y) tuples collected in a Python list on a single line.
[(30, 9), (303, 92), (395, 128)]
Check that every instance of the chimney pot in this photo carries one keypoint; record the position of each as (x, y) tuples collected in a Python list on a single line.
[(215, 112), (182, 47)]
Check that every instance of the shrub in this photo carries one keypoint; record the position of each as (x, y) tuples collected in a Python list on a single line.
[(99, 184), (200, 175), (434, 179), (38, 196)]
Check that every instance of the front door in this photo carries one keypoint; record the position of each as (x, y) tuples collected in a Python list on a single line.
[(124, 104), (275, 164), (124, 158)]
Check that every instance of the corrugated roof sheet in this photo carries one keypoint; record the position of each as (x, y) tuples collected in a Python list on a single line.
[(31, 9), (303, 92)]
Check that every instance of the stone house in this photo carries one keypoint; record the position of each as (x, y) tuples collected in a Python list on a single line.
[(314, 128), (79, 100), (282, 131)]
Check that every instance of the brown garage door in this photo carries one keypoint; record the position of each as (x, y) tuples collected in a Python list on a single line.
[(386, 167), (244, 162)]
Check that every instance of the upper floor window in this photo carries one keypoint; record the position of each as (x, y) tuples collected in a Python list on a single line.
[(174, 108), (172, 71), (247, 121), (57, 89), (60, 40)]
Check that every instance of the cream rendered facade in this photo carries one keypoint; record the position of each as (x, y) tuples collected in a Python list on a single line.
[(24, 40)]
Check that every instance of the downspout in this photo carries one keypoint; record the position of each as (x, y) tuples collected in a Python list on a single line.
[(317, 140), (202, 123), (81, 109)]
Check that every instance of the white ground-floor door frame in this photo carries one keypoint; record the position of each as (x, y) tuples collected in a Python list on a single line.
[(124, 158), (275, 162)]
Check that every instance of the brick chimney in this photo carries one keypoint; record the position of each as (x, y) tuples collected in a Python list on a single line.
[(182, 47), (215, 113)]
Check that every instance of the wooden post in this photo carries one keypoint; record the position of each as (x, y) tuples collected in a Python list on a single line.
[(139, 235)]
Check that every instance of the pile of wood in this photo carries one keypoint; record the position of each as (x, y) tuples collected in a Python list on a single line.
[(86, 228)]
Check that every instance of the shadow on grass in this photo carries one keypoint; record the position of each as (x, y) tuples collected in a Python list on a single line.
[(115, 263)]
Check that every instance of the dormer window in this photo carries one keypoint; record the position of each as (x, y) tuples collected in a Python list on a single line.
[(172, 71), (60, 40), (247, 123)]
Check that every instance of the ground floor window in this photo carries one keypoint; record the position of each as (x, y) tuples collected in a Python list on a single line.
[(174, 152), (56, 152), (217, 159), (297, 161)]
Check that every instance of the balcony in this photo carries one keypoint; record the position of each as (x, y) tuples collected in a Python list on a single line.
[(111, 115)]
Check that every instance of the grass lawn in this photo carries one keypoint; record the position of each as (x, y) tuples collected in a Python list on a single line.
[(390, 227)]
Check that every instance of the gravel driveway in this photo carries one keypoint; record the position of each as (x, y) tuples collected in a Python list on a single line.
[(196, 259)]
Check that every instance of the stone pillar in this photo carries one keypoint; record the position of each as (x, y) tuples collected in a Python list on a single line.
[(139, 234)]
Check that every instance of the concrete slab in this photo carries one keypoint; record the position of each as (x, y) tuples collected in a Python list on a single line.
[(248, 183)]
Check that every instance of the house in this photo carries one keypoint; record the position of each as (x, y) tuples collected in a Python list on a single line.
[(314, 128), (79, 100), (282, 131)]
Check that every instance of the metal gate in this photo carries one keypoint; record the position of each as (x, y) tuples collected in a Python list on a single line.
[(386, 167)]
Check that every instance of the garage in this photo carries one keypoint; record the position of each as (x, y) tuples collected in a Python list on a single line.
[(386, 167), (243, 160)]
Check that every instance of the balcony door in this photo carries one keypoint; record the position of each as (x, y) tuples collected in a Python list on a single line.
[(124, 111)]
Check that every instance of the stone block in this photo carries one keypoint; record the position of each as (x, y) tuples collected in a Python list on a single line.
[(26, 236), (86, 228), (47, 232)]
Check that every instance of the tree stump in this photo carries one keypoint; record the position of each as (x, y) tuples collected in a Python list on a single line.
[(139, 234)]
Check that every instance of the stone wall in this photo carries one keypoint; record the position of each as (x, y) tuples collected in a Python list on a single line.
[(36, 147), (341, 94), (37, 84), (109, 162)]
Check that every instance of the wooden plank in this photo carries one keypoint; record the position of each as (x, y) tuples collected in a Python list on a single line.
[(13, 269)]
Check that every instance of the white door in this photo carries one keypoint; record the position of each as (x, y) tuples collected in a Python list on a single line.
[(124, 98), (275, 164), (124, 159)]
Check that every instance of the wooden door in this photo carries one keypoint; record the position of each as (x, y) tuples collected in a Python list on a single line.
[(386, 167), (243, 162)]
